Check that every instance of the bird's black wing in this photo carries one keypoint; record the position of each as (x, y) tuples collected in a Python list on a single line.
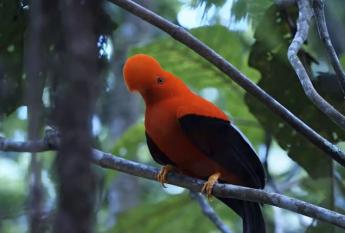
[(226, 145), (156, 153)]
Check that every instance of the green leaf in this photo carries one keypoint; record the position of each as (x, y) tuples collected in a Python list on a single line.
[(12, 190), (131, 145), (250, 9), (208, 3), (128, 145), (342, 61), (167, 8)]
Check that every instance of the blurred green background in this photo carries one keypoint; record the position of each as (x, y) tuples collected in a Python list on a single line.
[(253, 35)]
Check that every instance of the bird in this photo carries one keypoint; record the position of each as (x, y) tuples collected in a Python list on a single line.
[(187, 133)]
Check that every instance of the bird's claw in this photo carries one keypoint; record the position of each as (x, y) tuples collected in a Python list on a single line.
[(208, 185), (162, 174)]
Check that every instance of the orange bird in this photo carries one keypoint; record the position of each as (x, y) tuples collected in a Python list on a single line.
[(190, 134)]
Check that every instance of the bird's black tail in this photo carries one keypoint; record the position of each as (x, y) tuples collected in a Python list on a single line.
[(253, 221)]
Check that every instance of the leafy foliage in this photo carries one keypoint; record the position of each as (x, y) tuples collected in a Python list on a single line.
[(268, 55), (342, 61), (167, 8), (208, 3), (174, 214), (12, 198), (12, 27), (252, 9), (127, 145)]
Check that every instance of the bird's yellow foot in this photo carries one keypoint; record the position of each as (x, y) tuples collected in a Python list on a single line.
[(208, 185), (162, 174)]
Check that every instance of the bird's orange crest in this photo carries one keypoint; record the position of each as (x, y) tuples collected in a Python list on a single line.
[(144, 74), (139, 72)]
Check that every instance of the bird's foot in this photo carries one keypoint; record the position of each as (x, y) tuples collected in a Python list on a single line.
[(208, 185), (162, 174)]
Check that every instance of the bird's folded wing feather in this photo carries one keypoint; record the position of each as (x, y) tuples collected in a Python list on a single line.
[(156, 153), (222, 142)]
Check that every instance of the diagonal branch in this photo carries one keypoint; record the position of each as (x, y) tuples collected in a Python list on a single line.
[(303, 22), (110, 161), (319, 13), (209, 212), (232, 72)]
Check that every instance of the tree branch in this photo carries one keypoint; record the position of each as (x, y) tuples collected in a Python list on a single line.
[(110, 161), (179, 34), (319, 13), (33, 146), (210, 213), (303, 22)]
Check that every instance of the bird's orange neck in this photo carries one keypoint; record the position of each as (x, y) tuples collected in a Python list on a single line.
[(154, 95)]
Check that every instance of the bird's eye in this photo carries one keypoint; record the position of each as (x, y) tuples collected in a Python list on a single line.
[(160, 80)]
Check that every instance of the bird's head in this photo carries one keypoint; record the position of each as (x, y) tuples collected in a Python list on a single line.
[(144, 74)]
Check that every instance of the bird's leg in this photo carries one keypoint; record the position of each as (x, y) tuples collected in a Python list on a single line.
[(208, 185), (162, 174)]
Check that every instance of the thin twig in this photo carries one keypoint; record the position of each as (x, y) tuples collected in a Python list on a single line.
[(113, 162), (179, 34), (319, 13), (210, 213), (303, 23)]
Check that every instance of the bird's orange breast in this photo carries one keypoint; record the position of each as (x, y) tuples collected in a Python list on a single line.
[(162, 125)]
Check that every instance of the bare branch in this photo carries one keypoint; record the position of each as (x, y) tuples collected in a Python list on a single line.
[(222, 190), (303, 22), (319, 13), (28, 146), (210, 213), (50, 142), (232, 72), (110, 161)]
